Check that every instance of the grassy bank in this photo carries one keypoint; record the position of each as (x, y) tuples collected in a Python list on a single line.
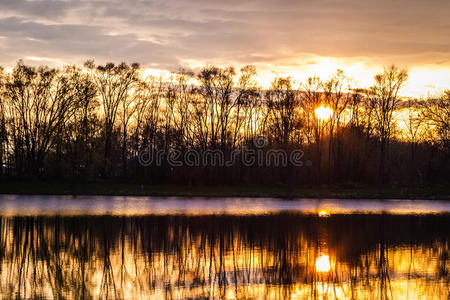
[(75, 188)]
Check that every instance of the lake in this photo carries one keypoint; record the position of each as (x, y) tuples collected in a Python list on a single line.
[(60, 247)]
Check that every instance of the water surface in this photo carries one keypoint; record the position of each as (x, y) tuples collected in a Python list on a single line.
[(126, 205), (142, 248)]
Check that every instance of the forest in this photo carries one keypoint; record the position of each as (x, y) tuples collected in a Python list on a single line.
[(92, 123)]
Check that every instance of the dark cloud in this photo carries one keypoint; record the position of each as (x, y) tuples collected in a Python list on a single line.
[(166, 33), (41, 9), (71, 43)]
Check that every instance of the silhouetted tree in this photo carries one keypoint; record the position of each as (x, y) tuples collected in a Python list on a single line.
[(437, 113), (114, 83), (43, 100), (89, 122), (384, 98), (282, 102)]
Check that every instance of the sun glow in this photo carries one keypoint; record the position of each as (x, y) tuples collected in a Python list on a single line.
[(424, 80), (324, 213), (323, 113)]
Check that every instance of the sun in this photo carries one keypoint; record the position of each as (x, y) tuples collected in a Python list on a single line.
[(324, 213), (323, 113)]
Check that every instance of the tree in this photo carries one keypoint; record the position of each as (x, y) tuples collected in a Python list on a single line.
[(42, 100), (216, 89), (77, 122), (314, 128), (80, 132), (282, 102), (337, 99), (3, 123), (244, 103), (437, 113), (384, 98), (114, 83)]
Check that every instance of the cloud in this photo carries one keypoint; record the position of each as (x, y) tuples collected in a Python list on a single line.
[(168, 34), (40, 8), (76, 43)]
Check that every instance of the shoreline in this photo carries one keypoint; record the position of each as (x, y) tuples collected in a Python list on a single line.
[(254, 191), (22, 205)]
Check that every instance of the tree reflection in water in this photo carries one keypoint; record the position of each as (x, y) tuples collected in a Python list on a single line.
[(271, 256)]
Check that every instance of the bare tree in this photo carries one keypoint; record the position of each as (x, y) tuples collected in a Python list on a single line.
[(413, 121), (147, 104), (114, 83), (65, 122), (184, 96), (43, 100), (437, 113), (216, 89), (80, 132), (384, 97), (312, 98), (314, 128), (337, 96), (244, 103), (3, 125), (282, 101)]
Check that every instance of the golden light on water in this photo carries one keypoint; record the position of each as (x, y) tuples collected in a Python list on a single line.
[(134, 260), (323, 113), (323, 263)]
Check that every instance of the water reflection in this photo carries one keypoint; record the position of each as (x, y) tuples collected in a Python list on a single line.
[(323, 263), (246, 257)]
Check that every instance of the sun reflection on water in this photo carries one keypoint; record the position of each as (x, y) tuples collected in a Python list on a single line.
[(323, 263), (224, 257)]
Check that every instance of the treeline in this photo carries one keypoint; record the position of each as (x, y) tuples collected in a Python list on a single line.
[(93, 122)]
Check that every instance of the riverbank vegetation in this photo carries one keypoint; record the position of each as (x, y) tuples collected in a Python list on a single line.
[(71, 188), (92, 123)]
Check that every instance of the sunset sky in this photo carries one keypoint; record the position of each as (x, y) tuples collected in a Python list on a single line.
[(289, 37)]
